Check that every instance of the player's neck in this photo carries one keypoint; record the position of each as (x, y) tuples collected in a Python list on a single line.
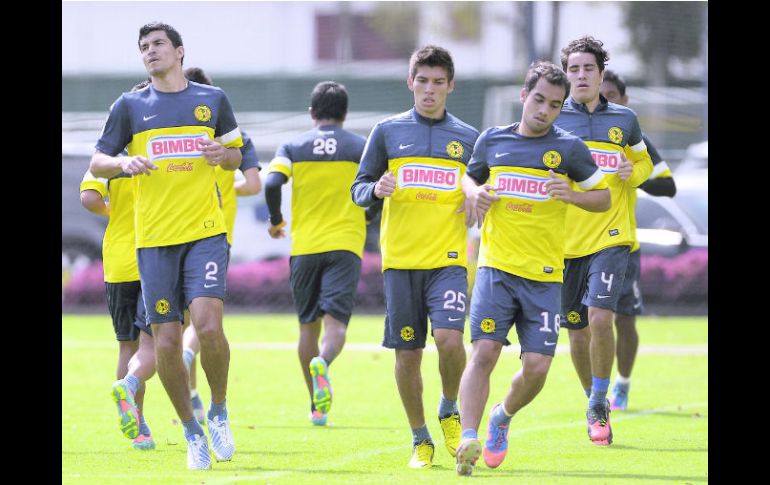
[(170, 82), (591, 105), (327, 122)]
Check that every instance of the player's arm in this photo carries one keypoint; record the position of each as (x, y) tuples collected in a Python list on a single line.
[(93, 202), (371, 212), (594, 200), (106, 166), (224, 149), (636, 154), (661, 182), (278, 173), (217, 154), (594, 195), (251, 183), (373, 182), (478, 194)]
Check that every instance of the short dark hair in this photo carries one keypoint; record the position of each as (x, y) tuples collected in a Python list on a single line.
[(141, 85), (198, 75), (614, 78), (548, 70), (329, 100), (432, 56), (171, 32), (586, 44)]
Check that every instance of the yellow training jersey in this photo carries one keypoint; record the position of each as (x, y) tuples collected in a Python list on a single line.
[(420, 228), (610, 130), (178, 202)]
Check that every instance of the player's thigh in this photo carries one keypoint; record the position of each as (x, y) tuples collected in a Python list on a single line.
[(160, 271), (492, 306), (606, 273), (305, 279), (574, 312), (539, 320), (339, 280), (205, 268), (122, 300), (406, 317), (630, 301), (446, 297)]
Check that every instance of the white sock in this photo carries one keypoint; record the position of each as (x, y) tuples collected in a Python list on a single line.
[(622, 380)]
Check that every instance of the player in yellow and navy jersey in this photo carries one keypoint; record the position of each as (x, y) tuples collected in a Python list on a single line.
[(660, 183), (114, 199), (414, 161), (327, 234), (228, 188), (598, 244), (518, 184), (176, 131)]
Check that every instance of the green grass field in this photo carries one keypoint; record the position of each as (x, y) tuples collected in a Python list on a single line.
[(662, 438)]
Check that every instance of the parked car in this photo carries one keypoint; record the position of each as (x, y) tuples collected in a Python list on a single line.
[(696, 158), (670, 226)]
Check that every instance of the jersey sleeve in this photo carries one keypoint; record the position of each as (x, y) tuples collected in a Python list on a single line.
[(90, 182), (478, 167), (116, 133), (582, 168), (227, 132), (374, 163), (248, 154), (636, 151), (281, 162)]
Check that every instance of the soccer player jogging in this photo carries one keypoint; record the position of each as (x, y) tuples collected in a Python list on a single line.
[(228, 188), (176, 131), (660, 183), (598, 244), (414, 161), (327, 234), (518, 184), (136, 362)]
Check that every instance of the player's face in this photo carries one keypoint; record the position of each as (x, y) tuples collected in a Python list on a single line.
[(158, 53), (610, 91), (431, 87), (584, 77), (541, 107)]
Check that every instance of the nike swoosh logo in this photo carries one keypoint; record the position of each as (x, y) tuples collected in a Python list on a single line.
[(405, 146), (498, 155), (147, 118), (456, 319), (603, 296), (209, 286), (550, 343)]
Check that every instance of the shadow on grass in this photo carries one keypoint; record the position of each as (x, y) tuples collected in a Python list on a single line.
[(616, 446), (330, 426)]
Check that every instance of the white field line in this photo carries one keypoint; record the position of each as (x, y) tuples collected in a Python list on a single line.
[(697, 349)]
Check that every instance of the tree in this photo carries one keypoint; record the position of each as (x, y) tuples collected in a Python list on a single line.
[(662, 31)]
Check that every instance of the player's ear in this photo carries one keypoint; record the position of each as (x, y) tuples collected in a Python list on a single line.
[(180, 51), (523, 94), (410, 82), (451, 86)]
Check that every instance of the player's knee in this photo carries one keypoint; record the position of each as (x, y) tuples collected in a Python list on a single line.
[(536, 368), (600, 318)]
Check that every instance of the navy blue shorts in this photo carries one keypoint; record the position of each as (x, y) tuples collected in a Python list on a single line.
[(501, 300), (595, 280), (411, 295), (173, 275), (324, 283), (630, 302), (124, 300)]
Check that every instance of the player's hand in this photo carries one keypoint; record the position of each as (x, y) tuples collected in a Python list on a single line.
[(136, 165), (558, 188), (277, 232), (213, 151), (477, 203), (625, 168), (385, 186)]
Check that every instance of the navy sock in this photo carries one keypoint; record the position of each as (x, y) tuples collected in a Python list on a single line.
[(191, 428), (420, 434), (599, 388), (143, 427), (498, 417), (132, 382), (196, 399), (446, 407), (218, 410), (587, 391)]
